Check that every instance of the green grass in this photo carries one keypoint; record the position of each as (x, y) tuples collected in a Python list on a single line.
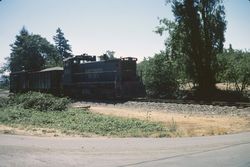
[(39, 101), (81, 122)]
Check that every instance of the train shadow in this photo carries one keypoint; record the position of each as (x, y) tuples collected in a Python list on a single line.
[(100, 100)]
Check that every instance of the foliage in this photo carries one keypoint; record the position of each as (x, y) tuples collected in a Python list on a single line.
[(172, 125), (39, 101), (196, 37), (4, 81), (173, 45), (29, 52), (82, 122), (159, 75), (63, 48), (235, 68), (3, 102), (110, 54)]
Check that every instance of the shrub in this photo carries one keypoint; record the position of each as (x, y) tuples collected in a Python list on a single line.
[(3, 102), (159, 75), (40, 101), (235, 68)]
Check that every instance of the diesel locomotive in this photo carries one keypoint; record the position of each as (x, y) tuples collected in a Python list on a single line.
[(84, 76)]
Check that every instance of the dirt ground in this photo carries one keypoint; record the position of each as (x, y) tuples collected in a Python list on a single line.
[(19, 130), (186, 125)]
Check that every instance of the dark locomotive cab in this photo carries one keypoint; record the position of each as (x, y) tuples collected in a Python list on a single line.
[(107, 78)]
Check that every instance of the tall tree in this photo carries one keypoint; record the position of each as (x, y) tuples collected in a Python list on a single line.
[(198, 35), (29, 52), (62, 45)]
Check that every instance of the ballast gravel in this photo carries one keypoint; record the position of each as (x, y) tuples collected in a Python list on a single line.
[(190, 109)]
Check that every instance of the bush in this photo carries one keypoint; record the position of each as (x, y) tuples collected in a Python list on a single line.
[(3, 102), (159, 75), (40, 101), (235, 68)]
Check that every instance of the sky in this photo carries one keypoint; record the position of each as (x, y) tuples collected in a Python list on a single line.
[(95, 26)]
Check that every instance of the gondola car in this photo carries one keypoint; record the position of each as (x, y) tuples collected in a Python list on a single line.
[(48, 80), (84, 76)]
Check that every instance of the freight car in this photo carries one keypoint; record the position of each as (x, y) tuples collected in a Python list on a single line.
[(84, 76), (47, 80)]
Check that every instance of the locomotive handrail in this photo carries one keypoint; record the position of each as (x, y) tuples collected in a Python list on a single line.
[(99, 82), (79, 73)]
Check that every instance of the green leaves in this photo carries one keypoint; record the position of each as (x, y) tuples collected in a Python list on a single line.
[(39, 101), (196, 37), (63, 48), (29, 52), (32, 52), (159, 75), (235, 68)]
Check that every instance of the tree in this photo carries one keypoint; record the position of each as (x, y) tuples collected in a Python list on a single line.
[(159, 75), (173, 48), (235, 68), (29, 52), (110, 54), (198, 36), (4, 81), (62, 45)]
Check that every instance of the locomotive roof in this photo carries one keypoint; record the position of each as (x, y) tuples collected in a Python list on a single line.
[(114, 59), (52, 69), (44, 70)]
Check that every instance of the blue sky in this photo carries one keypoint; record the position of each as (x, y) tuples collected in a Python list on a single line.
[(94, 26)]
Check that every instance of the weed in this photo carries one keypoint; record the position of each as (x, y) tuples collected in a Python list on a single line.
[(3, 102), (172, 126), (148, 115)]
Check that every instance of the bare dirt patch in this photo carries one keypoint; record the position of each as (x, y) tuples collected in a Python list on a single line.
[(187, 125), (31, 131)]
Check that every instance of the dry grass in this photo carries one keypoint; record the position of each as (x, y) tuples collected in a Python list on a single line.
[(231, 86), (221, 86), (187, 125), (21, 130)]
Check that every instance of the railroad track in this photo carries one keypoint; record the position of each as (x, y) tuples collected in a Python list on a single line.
[(195, 102), (214, 103)]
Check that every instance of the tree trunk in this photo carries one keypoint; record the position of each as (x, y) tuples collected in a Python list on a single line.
[(206, 83)]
